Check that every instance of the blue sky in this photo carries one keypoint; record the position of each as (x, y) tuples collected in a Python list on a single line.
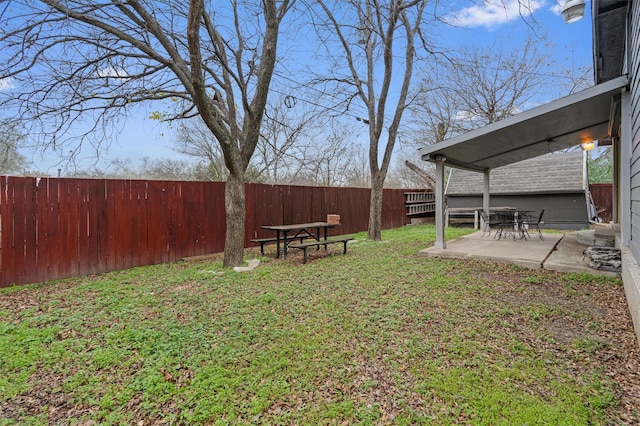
[(489, 24), (493, 25)]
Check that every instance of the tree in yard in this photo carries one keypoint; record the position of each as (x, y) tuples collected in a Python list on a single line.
[(88, 63), (287, 150), (357, 172), (167, 169), (474, 88), (600, 166), (283, 149), (326, 157), (371, 35), (493, 84), (11, 161), (426, 180), (194, 139)]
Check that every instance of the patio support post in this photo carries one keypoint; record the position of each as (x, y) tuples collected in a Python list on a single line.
[(485, 194), (440, 244)]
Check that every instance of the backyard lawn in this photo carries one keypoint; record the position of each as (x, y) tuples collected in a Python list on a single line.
[(380, 335)]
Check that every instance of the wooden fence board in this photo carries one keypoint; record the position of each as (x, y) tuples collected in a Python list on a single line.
[(30, 229), (114, 194), (198, 222), (93, 207), (44, 219), (174, 220), (84, 256), (121, 225), (18, 239), (179, 222), (6, 220), (141, 222), (109, 241), (70, 244), (602, 194), (217, 217), (3, 213)]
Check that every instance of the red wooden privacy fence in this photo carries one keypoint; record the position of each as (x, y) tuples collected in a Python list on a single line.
[(53, 228), (602, 194)]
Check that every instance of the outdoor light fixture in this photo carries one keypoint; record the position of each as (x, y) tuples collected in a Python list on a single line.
[(588, 146), (573, 10)]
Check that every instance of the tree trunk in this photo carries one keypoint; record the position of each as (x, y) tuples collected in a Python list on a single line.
[(431, 183), (375, 208), (235, 209)]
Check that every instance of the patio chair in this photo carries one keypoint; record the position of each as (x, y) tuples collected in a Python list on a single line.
[(533, 223), (486, 223), (505, 224)]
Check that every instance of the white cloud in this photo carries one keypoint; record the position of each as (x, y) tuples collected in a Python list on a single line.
[(556, 8), (112, 72), (6, 84), (465, 116), (494, 12)]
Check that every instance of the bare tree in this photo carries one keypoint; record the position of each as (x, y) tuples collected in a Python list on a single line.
[(87, 62), (493, 85), (282, 151), (475, 88), (167, 169), (286, 146), (324, 155), (481, 86), (357, 171), (371, 34), (195, 140), (425, 178), (11, 160), (147, 168)]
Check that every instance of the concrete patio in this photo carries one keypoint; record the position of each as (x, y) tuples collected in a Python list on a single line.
[(557, 252)]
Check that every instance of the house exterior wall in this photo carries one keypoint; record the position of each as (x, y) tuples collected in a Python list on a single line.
[(631, 220), (561, 210), (635, 130)]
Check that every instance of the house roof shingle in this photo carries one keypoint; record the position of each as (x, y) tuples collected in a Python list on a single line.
[(558, 172)]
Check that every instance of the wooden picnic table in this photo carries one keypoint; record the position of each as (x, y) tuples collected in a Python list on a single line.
[(288, 233)]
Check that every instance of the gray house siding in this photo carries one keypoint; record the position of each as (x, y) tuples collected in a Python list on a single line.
[(633, 69), (555, 183), (630, 171), (561, 210)]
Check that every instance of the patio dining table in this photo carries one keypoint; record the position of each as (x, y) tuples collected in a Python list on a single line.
[(512, 222)]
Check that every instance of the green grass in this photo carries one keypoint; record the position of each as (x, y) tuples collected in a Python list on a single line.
[(378, 336)]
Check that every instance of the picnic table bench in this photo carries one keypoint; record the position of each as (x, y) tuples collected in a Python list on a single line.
[(304, 246), (262, 241)]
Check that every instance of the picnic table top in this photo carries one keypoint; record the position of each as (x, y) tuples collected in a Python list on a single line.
[(296, 226)]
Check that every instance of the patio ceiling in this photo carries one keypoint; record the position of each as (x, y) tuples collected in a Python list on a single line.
[(560, 124)]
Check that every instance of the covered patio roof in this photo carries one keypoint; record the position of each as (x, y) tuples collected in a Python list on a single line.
[(566, 122)]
